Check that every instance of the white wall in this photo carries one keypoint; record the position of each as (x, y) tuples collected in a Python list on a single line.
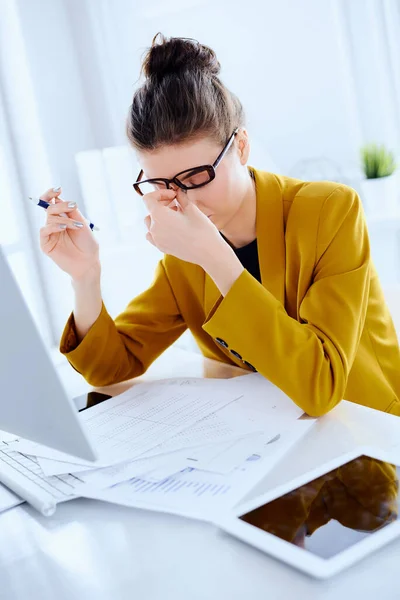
[(315, 78), (283, 59)]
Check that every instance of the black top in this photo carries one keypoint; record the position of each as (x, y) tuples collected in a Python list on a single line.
[(248, 256)]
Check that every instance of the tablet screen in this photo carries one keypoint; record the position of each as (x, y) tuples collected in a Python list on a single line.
[(334, 511), (89, 399)]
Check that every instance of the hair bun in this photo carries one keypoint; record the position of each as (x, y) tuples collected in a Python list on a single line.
[(176, 55)]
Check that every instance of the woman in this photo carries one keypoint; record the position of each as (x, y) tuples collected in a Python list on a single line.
[(269, 273)]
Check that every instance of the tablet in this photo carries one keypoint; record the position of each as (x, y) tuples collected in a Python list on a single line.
[(90, 399), (327, 519)]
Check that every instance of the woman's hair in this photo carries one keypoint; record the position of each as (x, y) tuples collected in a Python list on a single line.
[(182, 97)]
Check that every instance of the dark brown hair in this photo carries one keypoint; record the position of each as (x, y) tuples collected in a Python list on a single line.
[(182, 97)]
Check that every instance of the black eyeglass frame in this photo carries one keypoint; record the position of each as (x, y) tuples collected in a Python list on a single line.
[(209, 168)]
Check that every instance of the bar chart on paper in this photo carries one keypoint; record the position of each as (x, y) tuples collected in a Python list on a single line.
[(196, 493)]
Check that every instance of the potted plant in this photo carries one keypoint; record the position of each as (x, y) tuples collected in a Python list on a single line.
[(380, 189)]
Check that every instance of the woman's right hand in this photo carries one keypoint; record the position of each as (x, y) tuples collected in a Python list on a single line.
[(68, 240)]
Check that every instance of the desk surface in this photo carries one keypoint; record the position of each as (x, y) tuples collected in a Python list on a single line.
[(93, 550)]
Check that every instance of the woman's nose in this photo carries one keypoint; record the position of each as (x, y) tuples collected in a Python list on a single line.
[(177, 189), (181, 196)]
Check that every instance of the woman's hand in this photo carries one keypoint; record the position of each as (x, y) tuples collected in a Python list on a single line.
[(68, 239), (180, 228)]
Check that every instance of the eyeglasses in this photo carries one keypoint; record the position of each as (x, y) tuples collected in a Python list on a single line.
[(185, 180)]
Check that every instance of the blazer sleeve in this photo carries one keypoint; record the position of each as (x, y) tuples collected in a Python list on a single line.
[(120, 349), (310, 358)]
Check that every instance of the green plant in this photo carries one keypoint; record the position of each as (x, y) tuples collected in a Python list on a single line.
[(377, 161)]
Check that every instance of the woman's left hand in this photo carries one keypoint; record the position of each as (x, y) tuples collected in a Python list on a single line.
[(184, 232)]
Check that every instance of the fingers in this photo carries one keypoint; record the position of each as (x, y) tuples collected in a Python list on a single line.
[(45, 237), (47, 230), (61, 207), (57, 225), (149, 238), (182, 200), (58, 220), (50, 194), (147, 221), (152, 200), (174, 205)]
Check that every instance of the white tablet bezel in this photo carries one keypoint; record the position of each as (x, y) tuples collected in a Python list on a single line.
[(299, 557)]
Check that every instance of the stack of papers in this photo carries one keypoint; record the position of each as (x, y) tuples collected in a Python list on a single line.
[(186, 446)]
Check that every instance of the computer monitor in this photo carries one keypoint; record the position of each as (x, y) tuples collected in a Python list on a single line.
[(33, 402)]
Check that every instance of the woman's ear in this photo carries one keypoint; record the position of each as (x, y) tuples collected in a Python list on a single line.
[(243, 145)]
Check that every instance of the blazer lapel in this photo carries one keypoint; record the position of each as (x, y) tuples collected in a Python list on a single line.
[(270, 233), (270, 240)]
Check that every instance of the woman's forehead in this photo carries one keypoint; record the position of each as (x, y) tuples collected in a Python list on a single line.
[(169, 160)]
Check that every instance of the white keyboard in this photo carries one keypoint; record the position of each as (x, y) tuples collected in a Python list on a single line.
[(60, 487)]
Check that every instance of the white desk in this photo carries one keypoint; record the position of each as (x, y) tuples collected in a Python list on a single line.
[(91, 550)]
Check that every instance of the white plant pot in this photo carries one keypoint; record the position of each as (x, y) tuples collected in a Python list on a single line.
[(381, 196)]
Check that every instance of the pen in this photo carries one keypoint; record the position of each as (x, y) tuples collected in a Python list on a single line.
[(44, 204)]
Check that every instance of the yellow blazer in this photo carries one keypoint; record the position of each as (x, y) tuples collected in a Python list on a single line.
[(317, 326)]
